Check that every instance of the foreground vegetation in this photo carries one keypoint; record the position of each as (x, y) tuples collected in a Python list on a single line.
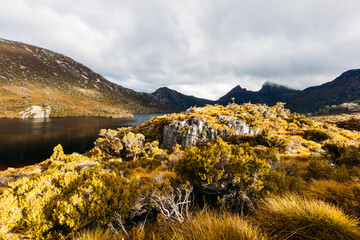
[(247, 172)]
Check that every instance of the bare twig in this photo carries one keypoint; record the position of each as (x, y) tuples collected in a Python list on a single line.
[(173, 205)]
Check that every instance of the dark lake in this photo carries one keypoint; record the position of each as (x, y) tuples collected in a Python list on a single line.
[(28, 141)]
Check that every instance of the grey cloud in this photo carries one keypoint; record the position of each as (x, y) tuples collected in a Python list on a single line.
[(198, 47)]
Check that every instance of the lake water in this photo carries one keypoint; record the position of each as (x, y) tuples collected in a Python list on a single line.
[(28, 141)]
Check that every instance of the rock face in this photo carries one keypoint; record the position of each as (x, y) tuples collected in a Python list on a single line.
[(36, 112), (197, 130)]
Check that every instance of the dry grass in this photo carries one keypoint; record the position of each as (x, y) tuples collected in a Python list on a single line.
[(95, 234), (214, 226), (346, 195), (294, 217)]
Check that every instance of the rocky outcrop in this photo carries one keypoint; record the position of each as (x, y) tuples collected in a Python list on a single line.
[(36, 112), (197, 130)]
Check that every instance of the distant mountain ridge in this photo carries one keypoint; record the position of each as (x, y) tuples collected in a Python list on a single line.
[(270, 93), (35, 78), (176, 101), (343, 89)]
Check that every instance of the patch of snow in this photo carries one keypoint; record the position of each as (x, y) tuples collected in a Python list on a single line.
[(84, 76), (22, 67), (3, 77), (59, 62)]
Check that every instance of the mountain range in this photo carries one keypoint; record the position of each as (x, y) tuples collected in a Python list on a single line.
[(33, 76)]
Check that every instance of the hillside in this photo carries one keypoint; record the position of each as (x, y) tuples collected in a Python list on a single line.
[(270, 93), (31, 76), (258, 168), (344, 89)]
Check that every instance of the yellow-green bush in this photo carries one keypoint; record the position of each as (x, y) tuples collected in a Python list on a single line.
[(223, 170), (97, 196), (320, 169), (120, 143), (317, 134), (70, 192), (295, 217)]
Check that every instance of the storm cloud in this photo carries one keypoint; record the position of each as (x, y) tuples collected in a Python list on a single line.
[(198, 47)]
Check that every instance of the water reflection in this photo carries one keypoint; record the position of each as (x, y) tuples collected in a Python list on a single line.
[(28, 141)]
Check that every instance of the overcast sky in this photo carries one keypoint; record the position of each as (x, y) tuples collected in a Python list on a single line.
[(198, 47)]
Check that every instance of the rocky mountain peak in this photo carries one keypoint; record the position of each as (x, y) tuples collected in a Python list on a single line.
[(271, 87)]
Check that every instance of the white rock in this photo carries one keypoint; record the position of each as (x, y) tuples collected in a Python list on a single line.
[(36, 111)]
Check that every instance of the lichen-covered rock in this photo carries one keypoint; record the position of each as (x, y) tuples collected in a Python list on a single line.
[(190, 133), (238, 125)]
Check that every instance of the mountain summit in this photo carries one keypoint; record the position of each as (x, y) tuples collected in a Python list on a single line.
[(176, 101), (270, 93)]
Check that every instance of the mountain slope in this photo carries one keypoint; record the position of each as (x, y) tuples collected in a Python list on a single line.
[(31, 75), (176, 101), (344, 89), (270, 93)]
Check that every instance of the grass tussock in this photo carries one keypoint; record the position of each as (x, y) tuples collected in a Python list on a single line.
[(95, 234), (344, 194), (210, 225), (295, 217)]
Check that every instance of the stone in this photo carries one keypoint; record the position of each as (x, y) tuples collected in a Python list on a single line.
[(189, 133), (36, 111)]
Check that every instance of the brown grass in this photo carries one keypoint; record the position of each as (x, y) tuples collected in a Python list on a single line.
[(295, 217), (211, 225)]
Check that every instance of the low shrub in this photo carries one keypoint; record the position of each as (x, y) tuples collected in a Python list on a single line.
[(267, 139), (230, 172), (295, 217), (317, 134), (322, 169), (335, 148)]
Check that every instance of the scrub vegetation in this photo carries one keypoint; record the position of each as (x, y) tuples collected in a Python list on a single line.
[(286, 177)]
